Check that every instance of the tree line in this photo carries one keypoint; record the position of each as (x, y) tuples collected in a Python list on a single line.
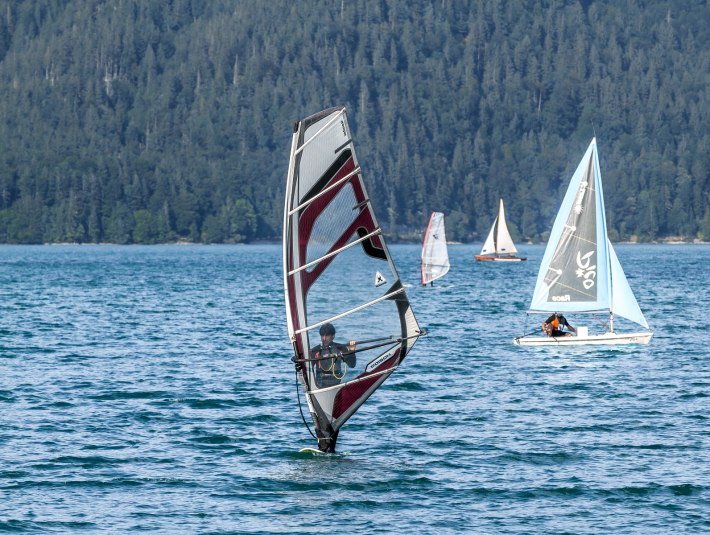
[(150, 121)]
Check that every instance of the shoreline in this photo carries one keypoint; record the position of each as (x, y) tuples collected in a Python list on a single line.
[(391, 242)]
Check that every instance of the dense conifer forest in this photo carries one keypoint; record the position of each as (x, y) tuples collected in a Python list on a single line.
[(144, 121)]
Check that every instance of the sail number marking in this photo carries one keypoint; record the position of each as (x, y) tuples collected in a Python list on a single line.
[(585, 270)]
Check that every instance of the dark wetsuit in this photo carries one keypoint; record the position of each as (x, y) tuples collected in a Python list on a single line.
[(561, 320), (330, 371)]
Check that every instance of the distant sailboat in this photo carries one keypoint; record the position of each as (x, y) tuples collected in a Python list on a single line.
[(580, 271), (338, 274), (435, 255), (499, 245)]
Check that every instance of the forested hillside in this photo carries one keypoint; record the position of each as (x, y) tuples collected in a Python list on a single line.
[(142, 121)]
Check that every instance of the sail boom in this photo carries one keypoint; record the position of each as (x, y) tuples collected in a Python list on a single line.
[(550, 311), (337, 251)]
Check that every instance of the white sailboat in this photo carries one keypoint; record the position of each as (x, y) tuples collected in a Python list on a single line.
[(435, 255), (499, 246), (580, 271)]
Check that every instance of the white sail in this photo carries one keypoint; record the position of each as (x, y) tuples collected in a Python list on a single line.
[(574, 273), (623, 302), (504, 243), (435, 255), (489, 246)]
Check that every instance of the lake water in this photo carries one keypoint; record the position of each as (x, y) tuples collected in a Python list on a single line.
[(149, 389)]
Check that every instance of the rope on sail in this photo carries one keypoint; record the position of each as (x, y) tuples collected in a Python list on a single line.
[(300, 409)]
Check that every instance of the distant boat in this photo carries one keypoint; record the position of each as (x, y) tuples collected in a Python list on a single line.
[(580, 271), (499, 245), (339, 279), (435, 255)]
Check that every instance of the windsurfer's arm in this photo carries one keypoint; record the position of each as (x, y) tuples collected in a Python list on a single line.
[(347, 353)]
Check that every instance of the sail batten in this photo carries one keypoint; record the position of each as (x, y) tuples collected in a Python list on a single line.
[(312, 263), (348, 312), (319, 132), (336, 184), (338, 276)]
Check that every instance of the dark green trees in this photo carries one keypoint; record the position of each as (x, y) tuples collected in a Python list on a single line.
[(161, 120)]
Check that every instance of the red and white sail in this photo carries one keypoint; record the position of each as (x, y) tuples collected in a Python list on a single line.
[(338, 270)]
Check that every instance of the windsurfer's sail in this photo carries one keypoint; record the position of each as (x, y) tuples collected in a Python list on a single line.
[(499, 245), (580, 271), (435, 255), (338, 270)]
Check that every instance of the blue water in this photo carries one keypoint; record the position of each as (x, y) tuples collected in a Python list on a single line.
[(149, 389)]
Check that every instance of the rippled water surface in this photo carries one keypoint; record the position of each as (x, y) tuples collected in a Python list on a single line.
[(150, 389)]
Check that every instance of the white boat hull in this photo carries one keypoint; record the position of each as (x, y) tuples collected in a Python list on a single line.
[(596, 339), (484, 258)]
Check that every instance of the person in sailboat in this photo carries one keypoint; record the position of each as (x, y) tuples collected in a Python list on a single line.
[(331, 359), (555, 324)]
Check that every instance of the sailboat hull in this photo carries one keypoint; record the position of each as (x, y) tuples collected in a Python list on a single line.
[(600, 339), (491, 258)]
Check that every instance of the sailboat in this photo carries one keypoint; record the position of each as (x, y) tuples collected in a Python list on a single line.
[(435, 255), (580, 271), (338, 276), (499, 245)]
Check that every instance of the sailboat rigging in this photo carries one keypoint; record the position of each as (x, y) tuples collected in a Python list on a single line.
[(580, 271), (435, 255), (499, 246), (339, 278)]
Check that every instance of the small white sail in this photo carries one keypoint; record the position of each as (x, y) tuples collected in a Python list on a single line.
[(489, 247), (504, 243), (435, 254)]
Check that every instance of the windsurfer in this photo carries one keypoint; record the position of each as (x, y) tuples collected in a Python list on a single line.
[(555, 324), (332, 360)]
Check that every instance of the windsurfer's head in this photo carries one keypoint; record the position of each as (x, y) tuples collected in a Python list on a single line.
[(327, 329), (327, 332)]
